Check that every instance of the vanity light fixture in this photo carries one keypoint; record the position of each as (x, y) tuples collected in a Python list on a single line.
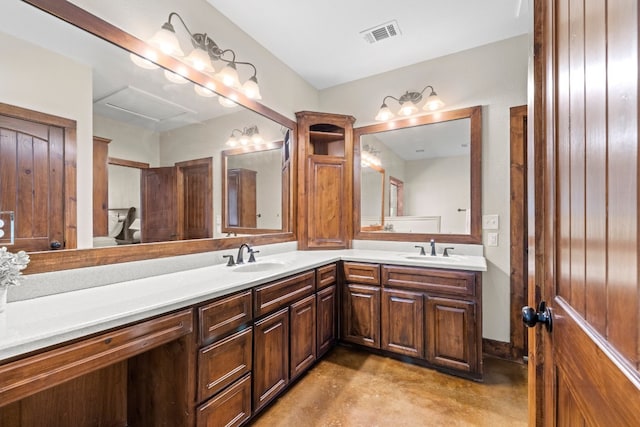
[(205, 50), (408, 103), (249, 136)]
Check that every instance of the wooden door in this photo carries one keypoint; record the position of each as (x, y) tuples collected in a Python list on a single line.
[(303, 335), (242, 198), (32, 182), (584, 371), (100, 186), (402, 329), (361, 315), (158, 196), (271, 357), (197, 188)]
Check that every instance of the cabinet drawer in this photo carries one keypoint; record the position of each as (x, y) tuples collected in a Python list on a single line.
[(278, 294), (224, 362), (426, 279), (326, 276), (356, 272), (224, 316), (230, 408)]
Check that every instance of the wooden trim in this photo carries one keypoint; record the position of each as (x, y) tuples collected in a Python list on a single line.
[(30, 375), (518, 228), (42, 262), (475, 237), (35, 116), (62, 260), (127, 163), (499, 349)]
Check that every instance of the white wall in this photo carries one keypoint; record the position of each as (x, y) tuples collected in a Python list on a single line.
[(494, 76), (36, 79)]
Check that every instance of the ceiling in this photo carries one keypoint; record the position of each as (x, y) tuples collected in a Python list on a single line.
[(321, 41)]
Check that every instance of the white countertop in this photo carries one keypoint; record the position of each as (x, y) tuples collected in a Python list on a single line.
[(37, 323)]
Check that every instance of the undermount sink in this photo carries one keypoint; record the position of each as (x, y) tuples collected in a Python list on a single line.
[(256, 267), (438, 258)]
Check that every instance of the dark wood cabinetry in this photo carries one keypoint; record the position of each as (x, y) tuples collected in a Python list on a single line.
[(303, 335), (271, 357), (452, 338), (403, 322), (327, 319), (431, 315), (325, 153), (226, 360)]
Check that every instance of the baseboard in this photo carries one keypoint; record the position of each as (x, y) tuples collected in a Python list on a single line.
[(500, 349)]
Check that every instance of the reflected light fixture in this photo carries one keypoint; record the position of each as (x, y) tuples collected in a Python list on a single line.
[(369, 156), (249, 136), (205, 50), (408, 104)]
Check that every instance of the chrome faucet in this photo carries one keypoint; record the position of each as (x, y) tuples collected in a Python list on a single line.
[(433, 247), (239, 259)]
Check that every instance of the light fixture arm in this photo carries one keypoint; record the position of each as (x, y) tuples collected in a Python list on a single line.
[(410, 98)]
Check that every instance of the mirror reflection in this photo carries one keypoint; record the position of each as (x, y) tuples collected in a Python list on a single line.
[(432, 165), (163, 140), (431, 178)]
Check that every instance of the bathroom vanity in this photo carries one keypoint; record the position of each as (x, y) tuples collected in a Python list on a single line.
[(215, 345)]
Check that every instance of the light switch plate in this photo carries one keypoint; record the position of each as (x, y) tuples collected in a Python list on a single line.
[(492, 239), (490, 222)]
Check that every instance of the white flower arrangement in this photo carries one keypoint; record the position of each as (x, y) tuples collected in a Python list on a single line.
[(11, 266)]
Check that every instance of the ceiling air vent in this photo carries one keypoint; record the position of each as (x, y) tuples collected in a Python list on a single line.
[(381, 32)]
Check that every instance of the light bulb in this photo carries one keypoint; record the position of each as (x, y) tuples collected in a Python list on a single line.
[(199, 59), (384, 113), (251, 88), (229, 75), (143, 62), (433, 102), (226, 102), (175, 78), (408, 108), (207, 92), (165, 39), (232, 141)]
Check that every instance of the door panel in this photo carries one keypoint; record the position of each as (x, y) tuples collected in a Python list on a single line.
[(32, 181), (158, 194), (585, 370), (197, 183)]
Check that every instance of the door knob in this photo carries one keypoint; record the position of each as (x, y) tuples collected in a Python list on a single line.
[(531, 317)]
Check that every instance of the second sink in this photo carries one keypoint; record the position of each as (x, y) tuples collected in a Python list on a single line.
[(256, 267)]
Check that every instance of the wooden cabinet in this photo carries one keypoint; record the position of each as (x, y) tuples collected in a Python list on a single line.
[(327, 319), (271, 357), (434, 315), (225, 362), (361, 315), (452, 340), (241, 199), (361, 304), (325, 153), (303, 335), (403, 322)]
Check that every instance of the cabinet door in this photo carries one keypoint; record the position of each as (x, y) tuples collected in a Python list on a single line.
[(328, 207), (303, 335), (361, 316), (271, 357), (326, 319), (402, 329), (451, 336)]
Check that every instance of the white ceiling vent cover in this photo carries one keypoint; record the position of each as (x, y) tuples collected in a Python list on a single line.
[(143, 104), (381, 32)]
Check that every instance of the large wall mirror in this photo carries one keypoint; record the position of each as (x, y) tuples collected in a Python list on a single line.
[(419, 178), (165, 140)]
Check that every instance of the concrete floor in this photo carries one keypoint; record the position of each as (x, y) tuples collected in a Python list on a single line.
[(353, 388)]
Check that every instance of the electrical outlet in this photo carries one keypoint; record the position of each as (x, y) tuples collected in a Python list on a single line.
[(492, 239), (490, 222)]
